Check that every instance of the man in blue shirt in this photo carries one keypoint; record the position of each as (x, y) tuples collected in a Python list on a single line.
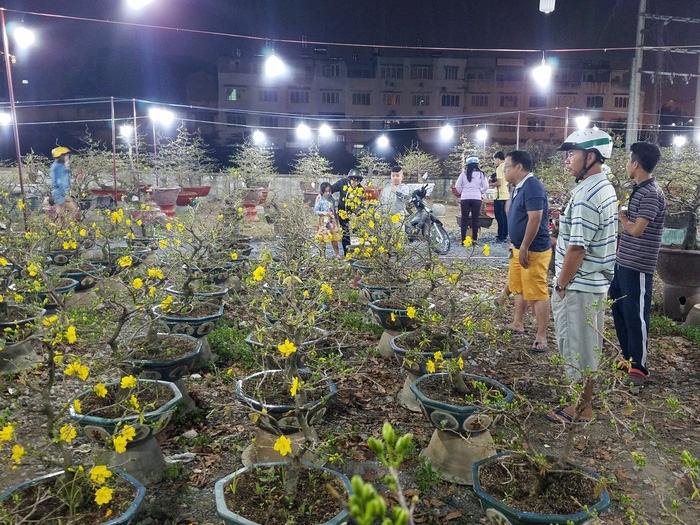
[(529, 234)]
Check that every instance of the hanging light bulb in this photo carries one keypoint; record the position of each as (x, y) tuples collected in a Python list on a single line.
[(547, 6), (542, 73)]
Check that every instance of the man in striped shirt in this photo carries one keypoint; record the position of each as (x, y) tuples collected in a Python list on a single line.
[(643, 224), (584, 260)]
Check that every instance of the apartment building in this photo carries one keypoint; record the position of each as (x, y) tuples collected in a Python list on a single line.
[(362, 99)]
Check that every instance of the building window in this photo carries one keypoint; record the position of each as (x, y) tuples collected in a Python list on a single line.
[(360, 99), (269, 122), (330, 97), (422, 72), (391, 72), (538, 101), (506, 126), (451, 72), (267, 95), (360, 124), (234, 94), (535, 125), (594, 102), (330, 70), (450, 100), (239, 120), (509, 101), (391, 99), (421, 100), (621, 102), (299, 96), (480, 101), (475, 76)]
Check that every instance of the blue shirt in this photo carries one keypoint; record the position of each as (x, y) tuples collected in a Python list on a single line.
[(60, 178), (529, 195)]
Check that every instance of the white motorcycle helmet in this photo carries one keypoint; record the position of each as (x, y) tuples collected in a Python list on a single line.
[(589, 140)]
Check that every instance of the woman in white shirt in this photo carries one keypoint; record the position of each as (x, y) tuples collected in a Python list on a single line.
[(471, 185)]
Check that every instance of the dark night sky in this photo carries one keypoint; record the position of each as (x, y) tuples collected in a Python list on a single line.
[(79, 58)]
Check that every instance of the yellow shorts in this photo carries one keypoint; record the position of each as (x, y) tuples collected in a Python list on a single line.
[(532, 281)]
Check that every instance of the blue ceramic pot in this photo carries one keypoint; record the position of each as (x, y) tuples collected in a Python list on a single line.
[(252, 340), (21, 316), (219, 274), (102, 429), (375, 293), (45, 298), (60, 257), (401, 319), (137, 256), (195, 326), (284, 413), (361, 268), (124, 519), (211, 297), (142, 243), (85, 278), (417, 364), (499, 513), (166, 369), (463, 419), (231, 518)]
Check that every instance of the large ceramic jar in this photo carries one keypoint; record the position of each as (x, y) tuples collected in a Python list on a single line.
[(499, 513)]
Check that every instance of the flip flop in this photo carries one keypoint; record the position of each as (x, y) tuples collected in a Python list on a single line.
[(560, 417), (539, 347)]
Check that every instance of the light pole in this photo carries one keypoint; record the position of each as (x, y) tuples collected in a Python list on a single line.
[(482, 135), (164, 117), (13, 110)]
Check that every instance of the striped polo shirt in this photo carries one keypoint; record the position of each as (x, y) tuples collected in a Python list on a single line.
[(640, 253), (590, 220)]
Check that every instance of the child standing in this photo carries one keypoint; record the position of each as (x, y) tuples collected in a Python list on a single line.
[(327, 229)]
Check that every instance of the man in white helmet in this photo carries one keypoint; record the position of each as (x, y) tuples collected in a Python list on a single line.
[(584, 260)]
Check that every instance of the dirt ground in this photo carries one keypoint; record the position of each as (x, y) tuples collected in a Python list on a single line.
[(659, 423)]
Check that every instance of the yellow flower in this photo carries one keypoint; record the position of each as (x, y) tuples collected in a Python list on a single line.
[(153, 272), (295, 386), (396, 218), (152, 291), (371, 224), (21, 204), (6, 433), (119, 444), (100, 390), (17, 453), (48, 321), (76, 405), (234, 256), (99, 474), (467, 241), (1, 299), (430, 366), (32, 269), (180, 227), (453, 278), (128, 382), (128, 432), (259, 273), (487, 250), (76, 368), (162, 243), (134, 402), (327, 288), (125, 261), (221, 216), (398, 245), (169, 226), (137, 284), (70, 335), (393, 317), (67, 433), (411, 312), (287, 348), (165, 305), (437, 356), (3, 261), (82, 232), (283, 445), (305, 293), (460, 362), (103, 495)]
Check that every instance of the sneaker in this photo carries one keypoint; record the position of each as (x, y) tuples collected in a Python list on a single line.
[(635, 378)]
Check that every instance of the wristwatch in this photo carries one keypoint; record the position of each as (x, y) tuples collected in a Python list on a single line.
[(559, 288)]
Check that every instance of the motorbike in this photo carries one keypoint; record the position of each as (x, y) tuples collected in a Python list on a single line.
[(424, 224)]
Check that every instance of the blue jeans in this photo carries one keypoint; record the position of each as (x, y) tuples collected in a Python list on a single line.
[(499, 210)]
